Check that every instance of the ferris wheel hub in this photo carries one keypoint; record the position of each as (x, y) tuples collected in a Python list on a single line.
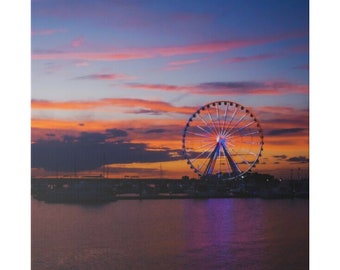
[(220, 139)]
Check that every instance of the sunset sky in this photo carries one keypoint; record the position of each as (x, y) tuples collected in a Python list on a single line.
[(114, 82)]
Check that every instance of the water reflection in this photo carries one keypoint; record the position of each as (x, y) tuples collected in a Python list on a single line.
[(171, 234)]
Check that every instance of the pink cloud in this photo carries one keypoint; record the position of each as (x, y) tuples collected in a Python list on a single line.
[(179, 64), (213, 47), (300, 49), (230, 88), (107, 76), (144, 53), (77, 42), (90, 56), (44, 32), (251, 58), (157, 87), (81, 63)]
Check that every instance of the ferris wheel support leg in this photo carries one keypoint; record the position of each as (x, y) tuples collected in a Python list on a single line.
[(211, 164), (233, 165)]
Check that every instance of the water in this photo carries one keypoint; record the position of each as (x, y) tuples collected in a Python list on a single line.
[(172, 234)]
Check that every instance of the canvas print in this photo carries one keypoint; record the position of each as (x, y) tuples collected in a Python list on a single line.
[(169, 134)]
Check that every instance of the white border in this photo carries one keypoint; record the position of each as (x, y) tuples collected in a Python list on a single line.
[(15, 134), (324, 134)]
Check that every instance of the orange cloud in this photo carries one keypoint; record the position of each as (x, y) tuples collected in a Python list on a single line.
[(143, 129), (288, 138), (166, 169), (286, 133), (159, 106)]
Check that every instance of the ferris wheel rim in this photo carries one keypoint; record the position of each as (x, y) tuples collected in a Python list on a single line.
[(224, 134)]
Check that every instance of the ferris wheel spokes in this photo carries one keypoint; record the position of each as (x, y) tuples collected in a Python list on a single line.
[(206, 124), (241, 128)]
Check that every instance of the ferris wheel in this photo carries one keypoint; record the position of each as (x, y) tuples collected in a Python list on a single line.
[(222, 139)]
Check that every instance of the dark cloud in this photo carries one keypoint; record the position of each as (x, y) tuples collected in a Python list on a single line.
[(280, 156), (90, 151), (91, 137), (146, 111), (299, 159), (157, 130), (230, 85), (67, 139), (230, 88), (286, 131), (115, 132), (50, 134), (299, 118)]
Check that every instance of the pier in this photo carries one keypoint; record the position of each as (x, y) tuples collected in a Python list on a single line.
[(106, 189)]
